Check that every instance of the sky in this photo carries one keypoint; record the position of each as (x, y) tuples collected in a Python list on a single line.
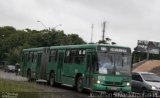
[(127, 20)]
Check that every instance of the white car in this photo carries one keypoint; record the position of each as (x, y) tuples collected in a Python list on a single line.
[(145, 82), (10, 68)]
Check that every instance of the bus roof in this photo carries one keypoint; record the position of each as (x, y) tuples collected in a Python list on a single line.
[(91, 46), (85, 46), (34, 49)]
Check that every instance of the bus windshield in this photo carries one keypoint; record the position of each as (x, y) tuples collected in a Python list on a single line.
[(114, 63)]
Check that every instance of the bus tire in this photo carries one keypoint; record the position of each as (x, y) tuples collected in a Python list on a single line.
[(79, 84), (52, 79), (29, 76)]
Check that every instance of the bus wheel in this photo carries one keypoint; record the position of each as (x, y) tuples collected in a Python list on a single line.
[(29, 76), (52, 79), (79, 84)]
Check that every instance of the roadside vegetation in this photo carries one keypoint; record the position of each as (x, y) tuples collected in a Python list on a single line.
[(15, 89), (19, 89), (15, 86), (140, 56)]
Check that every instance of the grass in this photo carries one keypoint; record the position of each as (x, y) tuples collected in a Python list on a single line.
[(17, 89), (15, 86)]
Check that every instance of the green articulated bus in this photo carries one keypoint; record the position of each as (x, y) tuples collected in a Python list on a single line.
[(97, 67)]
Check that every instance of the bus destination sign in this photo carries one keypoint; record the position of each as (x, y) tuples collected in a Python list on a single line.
[(114, 49)]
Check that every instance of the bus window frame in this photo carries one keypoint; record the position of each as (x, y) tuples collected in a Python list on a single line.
[(75, 58), (53, 55)]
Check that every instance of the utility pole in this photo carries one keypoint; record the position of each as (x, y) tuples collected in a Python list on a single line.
[(92, 32), (103, 31)]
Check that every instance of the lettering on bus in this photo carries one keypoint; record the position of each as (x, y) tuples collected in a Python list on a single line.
[(101, 78), (113, 49), (118, 50), (103, 48)]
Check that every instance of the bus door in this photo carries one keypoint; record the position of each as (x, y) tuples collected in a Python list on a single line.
[(91, 59), (60, 66), (39, 57)]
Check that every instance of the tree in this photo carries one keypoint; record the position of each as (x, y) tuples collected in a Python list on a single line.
[(113, 43), (13, 56), (12, 41), (75, 39), (106, 41)]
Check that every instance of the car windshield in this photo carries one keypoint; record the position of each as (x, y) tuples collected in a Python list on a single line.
[(114, 63), (150, 77)]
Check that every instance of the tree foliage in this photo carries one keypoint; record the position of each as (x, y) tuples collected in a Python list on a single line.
[(138, 56), (12, 41), (106, 41)]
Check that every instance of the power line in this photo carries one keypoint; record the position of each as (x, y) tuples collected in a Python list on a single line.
[(42, 24)]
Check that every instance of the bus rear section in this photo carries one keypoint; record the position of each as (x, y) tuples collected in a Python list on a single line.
[(34, 63)]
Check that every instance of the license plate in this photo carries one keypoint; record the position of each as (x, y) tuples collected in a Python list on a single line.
[(114, 88)]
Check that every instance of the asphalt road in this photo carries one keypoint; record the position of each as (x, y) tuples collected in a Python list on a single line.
[(11, 76)]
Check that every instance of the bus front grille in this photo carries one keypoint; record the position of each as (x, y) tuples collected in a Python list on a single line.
[(113, 83)]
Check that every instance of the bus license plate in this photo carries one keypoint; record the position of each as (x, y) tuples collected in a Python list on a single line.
[(114, 88)]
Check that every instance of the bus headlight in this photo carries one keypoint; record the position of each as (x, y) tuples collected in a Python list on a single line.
[(98, 82), (128, 84)]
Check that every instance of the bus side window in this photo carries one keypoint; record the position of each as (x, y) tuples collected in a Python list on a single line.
[(67, 56), (35, 57), (53, 56), (32, 57), (75, 56), (50, 56), (88, 62), (81, 56), (22, 58), (28, 57)]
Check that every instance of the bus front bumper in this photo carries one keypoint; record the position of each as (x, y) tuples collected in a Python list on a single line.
[(100, 87)]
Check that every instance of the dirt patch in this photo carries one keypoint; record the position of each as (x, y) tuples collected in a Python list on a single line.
[(156, 70), (148, 66), (135, 65)]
